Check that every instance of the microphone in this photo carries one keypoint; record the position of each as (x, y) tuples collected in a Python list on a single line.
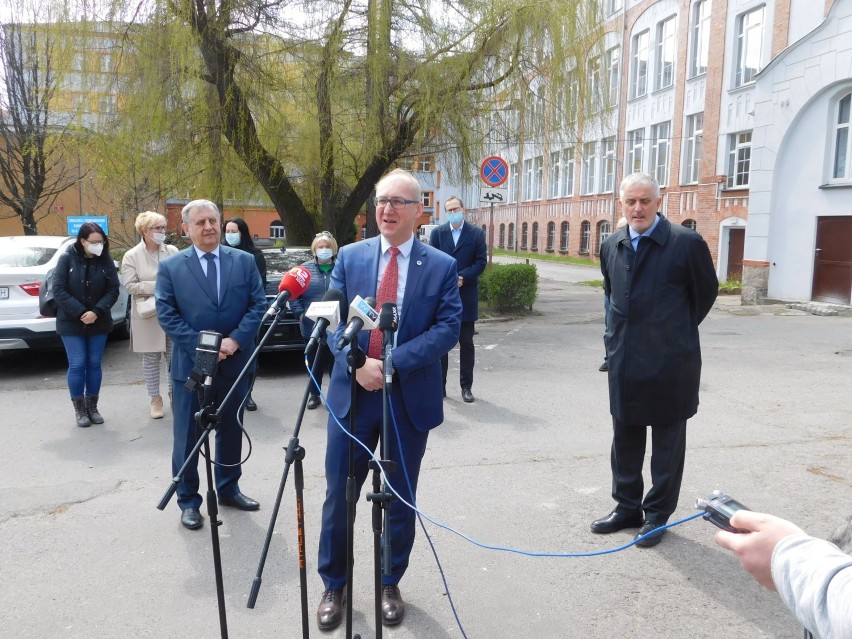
[(293, 284), (388, 321), (324, 314), (363, 316)]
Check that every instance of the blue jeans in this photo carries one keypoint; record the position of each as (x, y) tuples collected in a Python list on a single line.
[(85, 354)]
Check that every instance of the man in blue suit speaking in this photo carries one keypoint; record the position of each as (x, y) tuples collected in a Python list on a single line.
[(209, 287), (424, 284)]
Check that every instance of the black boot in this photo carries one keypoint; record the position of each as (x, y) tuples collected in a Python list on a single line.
[(81, 412), (92, 409)]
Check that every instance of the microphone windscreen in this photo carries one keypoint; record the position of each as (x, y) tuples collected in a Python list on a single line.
[(295, 281)]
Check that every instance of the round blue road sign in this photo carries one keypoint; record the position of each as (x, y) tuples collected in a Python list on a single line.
[(494, 171)]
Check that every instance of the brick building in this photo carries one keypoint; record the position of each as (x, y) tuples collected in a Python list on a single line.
[(692, 92)]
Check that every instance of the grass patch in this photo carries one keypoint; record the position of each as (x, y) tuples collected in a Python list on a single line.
[(548, 257), (594, 283)]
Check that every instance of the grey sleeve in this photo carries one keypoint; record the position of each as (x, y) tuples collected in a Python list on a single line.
[(814, 579)]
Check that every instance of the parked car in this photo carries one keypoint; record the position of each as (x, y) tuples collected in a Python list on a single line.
[(24, 262), (287, 335)]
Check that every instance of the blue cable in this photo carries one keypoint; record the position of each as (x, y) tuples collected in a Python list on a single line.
[(421, 515)]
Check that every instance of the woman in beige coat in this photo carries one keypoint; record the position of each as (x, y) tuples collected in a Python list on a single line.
[(139, 269)]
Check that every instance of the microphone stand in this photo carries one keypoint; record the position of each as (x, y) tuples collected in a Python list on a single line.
[(293, 457), (356, 358), (208, 417), (381, 496)]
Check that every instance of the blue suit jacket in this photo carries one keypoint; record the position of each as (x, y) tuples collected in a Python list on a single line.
[(428, 326), (471, 255), (185, 306)]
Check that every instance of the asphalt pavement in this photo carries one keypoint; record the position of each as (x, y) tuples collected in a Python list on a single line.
[(526, 467)]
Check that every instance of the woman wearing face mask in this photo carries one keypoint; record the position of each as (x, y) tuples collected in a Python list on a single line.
[(324, 248), (237, 236), (139, 268), (85, 287)]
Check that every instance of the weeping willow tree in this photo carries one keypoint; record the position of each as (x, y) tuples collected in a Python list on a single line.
[(319, 98)]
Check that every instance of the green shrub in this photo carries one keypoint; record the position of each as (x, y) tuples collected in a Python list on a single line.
[(510, 286)]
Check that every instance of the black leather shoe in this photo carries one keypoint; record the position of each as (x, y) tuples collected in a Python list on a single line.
[(191, 518), (313, 402), (330, 611), (393, 607), (467, 395), (604, 367), (616, 521), (653, 539), (250, 405), (240, 501)]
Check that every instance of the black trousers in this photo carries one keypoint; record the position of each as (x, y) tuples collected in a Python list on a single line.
[(668, 452), (467, 356)]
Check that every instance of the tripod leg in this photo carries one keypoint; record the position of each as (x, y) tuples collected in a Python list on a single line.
[(213, 513), (299, 480)]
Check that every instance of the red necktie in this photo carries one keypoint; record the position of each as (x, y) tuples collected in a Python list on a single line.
[(387, 293)]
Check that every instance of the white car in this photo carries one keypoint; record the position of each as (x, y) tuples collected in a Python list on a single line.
[(24, 262)]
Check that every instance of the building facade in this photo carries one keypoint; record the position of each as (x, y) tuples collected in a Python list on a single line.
[(692, 93)]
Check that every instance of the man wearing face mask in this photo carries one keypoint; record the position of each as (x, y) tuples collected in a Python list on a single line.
[(466, 243)]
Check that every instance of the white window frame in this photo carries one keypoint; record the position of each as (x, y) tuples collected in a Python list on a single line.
[(660, 151), (554, 174), (635, 151), (585, 236), (513, 182), (640, 54), (841, 155), (612, 69), (607, 172), (538, 177), (693, 148), (666, 53), (528, 179), (699, 32), (567, 184), (739, 160), (749, 45), (551, 237), (613, 5), (590, 161)]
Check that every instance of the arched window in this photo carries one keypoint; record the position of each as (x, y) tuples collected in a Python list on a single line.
[(510, 244), (603, 233), (551, 236), (563, 237), (585, 236), (524, 235), (502, 241), (841, 165), (534, 245), (690, 224), (276, 230)]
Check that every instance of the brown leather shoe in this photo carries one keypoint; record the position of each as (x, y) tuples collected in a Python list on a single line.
[(330, 611), (393, 607)]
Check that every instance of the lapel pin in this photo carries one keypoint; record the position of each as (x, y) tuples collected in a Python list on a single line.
[(419, 263)]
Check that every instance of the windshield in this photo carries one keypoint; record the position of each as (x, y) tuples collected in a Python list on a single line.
[(25, 256)]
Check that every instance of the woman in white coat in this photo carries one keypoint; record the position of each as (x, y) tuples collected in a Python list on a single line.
[(139, 269)]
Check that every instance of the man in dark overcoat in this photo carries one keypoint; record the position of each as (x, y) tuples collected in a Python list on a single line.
[(661, 283), (466, 244)]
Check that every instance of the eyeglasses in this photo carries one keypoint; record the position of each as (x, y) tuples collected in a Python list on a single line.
[(458, 209), (395, 202), (324, 234), (158, 228)]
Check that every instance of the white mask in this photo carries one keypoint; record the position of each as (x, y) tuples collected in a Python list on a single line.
[(324, 254), (233, 239), (158, 238), (96, 249)]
